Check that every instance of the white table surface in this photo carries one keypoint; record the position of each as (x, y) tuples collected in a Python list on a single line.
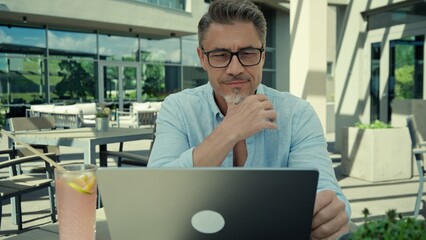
[(85, 138)]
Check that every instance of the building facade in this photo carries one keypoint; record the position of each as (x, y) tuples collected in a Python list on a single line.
[(103, 51), (349, 59)]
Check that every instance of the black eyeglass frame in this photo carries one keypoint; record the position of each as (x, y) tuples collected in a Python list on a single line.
[(261, 50)]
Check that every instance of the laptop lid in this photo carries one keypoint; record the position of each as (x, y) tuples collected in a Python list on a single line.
[(208, 203)]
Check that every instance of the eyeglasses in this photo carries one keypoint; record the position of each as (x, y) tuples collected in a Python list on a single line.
[(222, 58)]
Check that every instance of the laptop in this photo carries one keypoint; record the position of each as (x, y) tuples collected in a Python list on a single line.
[(208, 203)]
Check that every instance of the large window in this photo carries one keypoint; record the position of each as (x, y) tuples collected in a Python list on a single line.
[(41, 65), (22, 64), (72, 81), (71, 66)]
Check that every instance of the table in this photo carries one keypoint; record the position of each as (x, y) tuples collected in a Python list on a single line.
[(51, 231), (86, 138)]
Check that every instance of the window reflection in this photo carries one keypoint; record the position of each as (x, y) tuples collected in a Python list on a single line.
[(71, 81), (117, 48), (72, 44), (194, 77), (189, 51), (164, 50), (21, 81), (159, 80), (22, 40)]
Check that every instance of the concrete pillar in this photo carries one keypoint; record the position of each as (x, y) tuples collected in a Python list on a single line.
[(308, 57)]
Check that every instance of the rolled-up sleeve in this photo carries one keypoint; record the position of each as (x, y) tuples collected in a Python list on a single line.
[(309, 149)]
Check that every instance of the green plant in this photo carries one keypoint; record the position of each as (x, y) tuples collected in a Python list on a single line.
[(393, 226), (377, 124), (103, 112)]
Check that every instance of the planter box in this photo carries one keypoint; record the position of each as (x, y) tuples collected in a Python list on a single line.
[(102, 124), (377, 154)]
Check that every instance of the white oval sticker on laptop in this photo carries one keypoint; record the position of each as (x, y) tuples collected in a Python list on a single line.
[(208, 221)]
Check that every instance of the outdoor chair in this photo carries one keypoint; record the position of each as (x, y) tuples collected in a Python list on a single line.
[(17, 184), (25, 124), (141, 115), (419, 149), (128, 158)]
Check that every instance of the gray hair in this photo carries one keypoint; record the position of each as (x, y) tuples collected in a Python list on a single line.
[(229, 12)]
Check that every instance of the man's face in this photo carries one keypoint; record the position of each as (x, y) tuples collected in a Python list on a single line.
[(234, 82)]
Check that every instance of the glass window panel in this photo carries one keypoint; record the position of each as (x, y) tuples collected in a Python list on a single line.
[(164, 50), (375, 82), (268, 78), (189, 51), (72, 81), (269, 59), (117, 48), (159, 81), (194, 77), (129, 83), (110, 83), (22, 85), (174, 4), (270, 16), (72, 44), (22, 40)]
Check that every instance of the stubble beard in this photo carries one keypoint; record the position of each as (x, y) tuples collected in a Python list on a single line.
[(235, 97)]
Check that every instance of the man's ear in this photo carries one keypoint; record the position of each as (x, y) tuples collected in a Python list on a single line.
[(203, 58)]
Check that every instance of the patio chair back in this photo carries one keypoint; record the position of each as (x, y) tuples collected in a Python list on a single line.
[(147, 118), (19, 124), (419, 149), (25, 124)]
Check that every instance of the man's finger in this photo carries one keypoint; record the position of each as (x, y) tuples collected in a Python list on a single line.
[(323, 198)]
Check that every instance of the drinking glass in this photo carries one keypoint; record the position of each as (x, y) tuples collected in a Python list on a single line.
[(76, 194)]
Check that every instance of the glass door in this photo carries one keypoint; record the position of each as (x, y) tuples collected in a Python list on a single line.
[(375, 82), (405, 69), (119, 84)]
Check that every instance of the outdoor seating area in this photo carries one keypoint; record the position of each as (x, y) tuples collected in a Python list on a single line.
[(67, 116), (139, 115), (406, 195)]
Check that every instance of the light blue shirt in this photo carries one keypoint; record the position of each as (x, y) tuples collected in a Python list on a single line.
[(188, 117)]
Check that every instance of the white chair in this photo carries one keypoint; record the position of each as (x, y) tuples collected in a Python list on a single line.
[(141, 115), (88, 111)]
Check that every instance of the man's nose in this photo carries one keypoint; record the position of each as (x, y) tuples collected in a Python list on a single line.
[(235, 66)]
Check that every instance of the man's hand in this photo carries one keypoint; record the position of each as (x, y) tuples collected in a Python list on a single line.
[(330, 219), (250, 116)]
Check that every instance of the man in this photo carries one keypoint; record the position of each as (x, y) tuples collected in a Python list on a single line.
[(236, 121)]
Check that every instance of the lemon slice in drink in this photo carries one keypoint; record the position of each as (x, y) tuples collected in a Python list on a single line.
[(82, 184)]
